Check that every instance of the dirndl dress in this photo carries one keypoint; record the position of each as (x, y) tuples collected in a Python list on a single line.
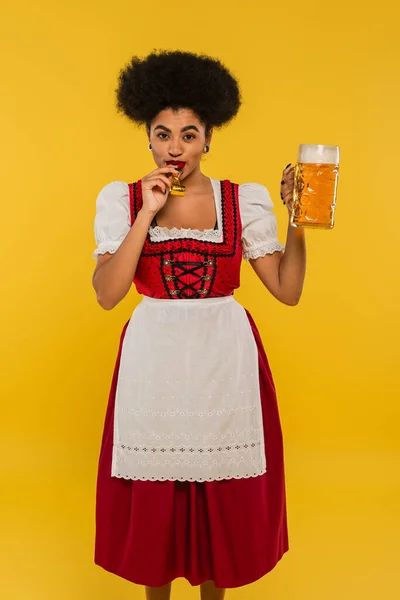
[(191, 469)]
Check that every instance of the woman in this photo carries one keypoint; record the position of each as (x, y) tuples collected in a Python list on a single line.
[(191, 470)]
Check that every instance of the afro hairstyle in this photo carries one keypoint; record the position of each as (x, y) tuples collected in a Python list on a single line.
[(177, 79)]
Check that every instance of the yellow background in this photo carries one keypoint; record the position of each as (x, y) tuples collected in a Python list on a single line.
[(310, 73)]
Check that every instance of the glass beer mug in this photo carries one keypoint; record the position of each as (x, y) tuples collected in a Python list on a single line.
[(315, 185)]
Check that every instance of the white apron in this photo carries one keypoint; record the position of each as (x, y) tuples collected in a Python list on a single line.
[(188, 402)]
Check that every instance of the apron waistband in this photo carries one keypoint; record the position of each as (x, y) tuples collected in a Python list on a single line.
[(188, 301)]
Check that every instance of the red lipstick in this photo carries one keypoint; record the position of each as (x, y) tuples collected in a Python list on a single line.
[(179, 164)]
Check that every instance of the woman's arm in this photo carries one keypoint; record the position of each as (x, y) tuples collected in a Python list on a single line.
[(114, 273), (283, 273)]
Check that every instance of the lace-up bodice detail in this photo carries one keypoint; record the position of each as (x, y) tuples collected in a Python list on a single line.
[(189, 263)]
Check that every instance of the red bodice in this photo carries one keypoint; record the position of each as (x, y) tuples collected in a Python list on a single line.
[(191, 268)]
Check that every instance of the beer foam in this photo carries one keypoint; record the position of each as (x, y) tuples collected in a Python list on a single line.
[(319, 154)]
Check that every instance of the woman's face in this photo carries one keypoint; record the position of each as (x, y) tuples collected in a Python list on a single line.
[(178, 135)]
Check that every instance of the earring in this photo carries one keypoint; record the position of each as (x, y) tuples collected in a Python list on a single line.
[(149, 146), (206, 149)]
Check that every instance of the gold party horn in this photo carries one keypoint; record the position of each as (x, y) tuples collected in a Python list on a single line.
[(177, 189)]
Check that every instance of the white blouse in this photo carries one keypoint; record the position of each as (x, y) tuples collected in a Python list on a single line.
[(259, 228)]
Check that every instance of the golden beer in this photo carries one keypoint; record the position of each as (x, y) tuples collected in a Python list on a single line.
[(315, 185)]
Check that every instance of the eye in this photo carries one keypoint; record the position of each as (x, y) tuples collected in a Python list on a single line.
[(159, 134), (190, 135)]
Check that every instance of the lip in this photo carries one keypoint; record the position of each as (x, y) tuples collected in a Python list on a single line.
[(180, 164)]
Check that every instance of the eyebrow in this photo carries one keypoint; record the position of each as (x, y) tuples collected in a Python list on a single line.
[(182, 130)]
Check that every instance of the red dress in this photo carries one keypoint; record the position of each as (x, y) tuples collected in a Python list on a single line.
[(232, 531)]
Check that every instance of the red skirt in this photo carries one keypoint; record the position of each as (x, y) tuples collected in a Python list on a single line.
[(231, 532)]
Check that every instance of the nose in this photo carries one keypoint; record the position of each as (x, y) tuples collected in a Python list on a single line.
[(175, 150)]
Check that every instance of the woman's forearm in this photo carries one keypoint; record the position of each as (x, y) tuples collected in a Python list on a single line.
[(113, 279), (292, 267)]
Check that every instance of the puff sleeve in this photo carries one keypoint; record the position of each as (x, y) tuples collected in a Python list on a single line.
[(112, 220), (259, 228)]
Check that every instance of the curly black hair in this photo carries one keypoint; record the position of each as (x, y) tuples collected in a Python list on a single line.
[(177, 79)]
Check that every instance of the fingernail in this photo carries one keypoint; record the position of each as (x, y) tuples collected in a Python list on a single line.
[(288, 165)]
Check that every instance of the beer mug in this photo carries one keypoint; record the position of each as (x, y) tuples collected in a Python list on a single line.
[(315, 184)]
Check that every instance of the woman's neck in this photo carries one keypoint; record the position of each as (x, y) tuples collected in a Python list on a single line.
[(196, 182)]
